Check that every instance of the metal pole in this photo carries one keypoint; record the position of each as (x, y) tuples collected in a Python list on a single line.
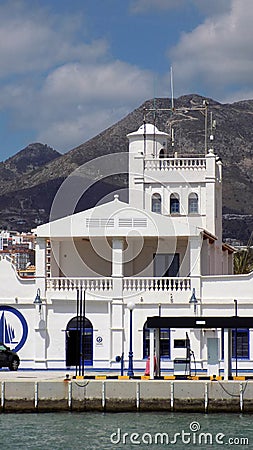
[(81, 332), (122, 365), (77, 328), (158, 333), (236, 362), (83, 335), (130, 371)]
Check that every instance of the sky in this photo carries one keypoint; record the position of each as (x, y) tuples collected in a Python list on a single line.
[(70, 69)]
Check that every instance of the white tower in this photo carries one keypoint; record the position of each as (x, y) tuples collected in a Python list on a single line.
[(147, 143)]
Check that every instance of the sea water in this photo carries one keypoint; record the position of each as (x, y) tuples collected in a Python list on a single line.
[(90, 431)]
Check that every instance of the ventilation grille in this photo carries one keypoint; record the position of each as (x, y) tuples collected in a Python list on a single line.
[(131, 222), (98, 223)]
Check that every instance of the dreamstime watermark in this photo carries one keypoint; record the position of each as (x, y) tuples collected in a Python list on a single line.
[(193, 436)]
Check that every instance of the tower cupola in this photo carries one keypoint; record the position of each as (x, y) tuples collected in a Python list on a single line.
[(149, 141)]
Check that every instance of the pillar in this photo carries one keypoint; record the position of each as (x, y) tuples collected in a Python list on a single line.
[(40, 263), (151, 352), (195, 244), (117, 305), (40, 331), (157, 351), (210, 192), (227, 353), (117, 328), (40, 311)]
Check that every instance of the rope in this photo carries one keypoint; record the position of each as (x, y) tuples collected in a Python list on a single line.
[(233, 395), (82, 385)]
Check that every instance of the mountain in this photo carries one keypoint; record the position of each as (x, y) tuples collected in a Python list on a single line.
[(29, 198), (14, 209)]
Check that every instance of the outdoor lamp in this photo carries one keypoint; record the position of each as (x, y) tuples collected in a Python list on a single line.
[(37, 300), (193, 300), (130, 306)]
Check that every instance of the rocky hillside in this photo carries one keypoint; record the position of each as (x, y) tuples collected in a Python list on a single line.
[(28, 187)]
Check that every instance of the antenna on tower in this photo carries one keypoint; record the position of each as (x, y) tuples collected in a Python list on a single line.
[(212, 127), (154, 119), (172, 106), (144, 131), (172, 88)]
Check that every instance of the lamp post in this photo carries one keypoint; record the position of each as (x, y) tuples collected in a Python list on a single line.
[(236, 361), (37, 300), (130, 371), (193, 300)]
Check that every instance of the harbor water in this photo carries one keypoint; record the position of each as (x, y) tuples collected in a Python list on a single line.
[(91, 431)]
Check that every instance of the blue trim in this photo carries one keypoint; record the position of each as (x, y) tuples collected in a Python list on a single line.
[(239, 358), (23, 323), (146, 343)]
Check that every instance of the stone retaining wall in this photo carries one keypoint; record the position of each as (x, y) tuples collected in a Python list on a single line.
[(127, 395)]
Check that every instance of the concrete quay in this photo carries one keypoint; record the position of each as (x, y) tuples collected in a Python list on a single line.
[(47, 391)]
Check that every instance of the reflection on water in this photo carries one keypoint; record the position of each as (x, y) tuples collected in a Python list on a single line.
[(86, 431)]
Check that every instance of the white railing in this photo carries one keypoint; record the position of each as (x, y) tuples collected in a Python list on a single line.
[(129, 284), (71, 284), (157, 284), (165, 164)]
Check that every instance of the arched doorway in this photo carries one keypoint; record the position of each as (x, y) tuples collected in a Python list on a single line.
[(73, 343)]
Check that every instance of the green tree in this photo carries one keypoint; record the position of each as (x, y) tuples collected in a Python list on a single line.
[(243, 261)]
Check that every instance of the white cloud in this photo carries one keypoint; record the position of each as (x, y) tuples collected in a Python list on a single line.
[(218, 54), (112, 82), (77, 128), (85, 99), (57, 82), (34, 40)]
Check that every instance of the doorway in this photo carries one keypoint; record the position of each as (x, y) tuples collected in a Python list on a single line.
[(73, 340)]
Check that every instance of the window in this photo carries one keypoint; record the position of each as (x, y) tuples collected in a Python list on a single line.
[(180, 343), (156, 203), (174, 204), (166, 265), (242, 343), (164, 342), (193, 204), (162, 153)]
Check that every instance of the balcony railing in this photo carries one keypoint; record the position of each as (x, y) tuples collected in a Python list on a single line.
[(70, 284), (132, 284), (157, 284), (165, 164)]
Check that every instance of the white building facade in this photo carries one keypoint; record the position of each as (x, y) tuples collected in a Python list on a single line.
[(154, 252)]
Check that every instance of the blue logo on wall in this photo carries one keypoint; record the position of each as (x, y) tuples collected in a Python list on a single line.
[(13, 328)]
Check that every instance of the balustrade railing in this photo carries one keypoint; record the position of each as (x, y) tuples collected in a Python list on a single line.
[(71, 284), (157, 284), (129, 284), (165, 164)]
